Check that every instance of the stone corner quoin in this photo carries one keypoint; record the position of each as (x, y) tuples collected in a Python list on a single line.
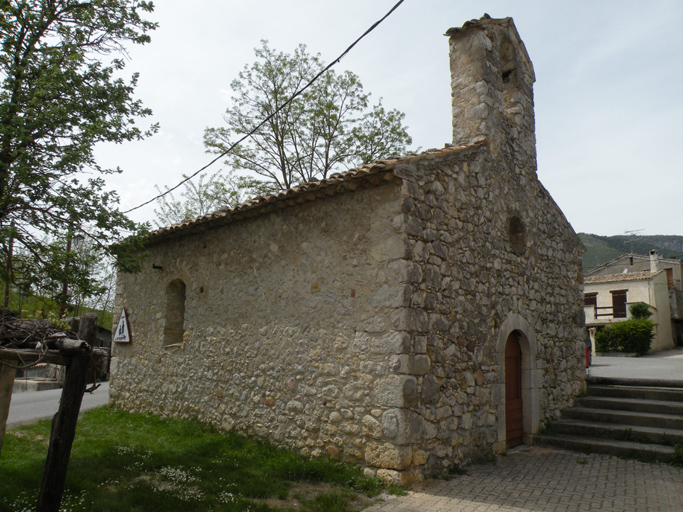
[(366, 317)]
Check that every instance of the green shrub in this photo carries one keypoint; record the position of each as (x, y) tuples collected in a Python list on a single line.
[(633, 335), (640, 310), (677, 459)]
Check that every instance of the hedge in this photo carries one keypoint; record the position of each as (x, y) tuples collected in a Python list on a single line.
[(633, 335)]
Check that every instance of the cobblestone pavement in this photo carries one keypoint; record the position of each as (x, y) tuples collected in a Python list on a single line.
[(549, 480)]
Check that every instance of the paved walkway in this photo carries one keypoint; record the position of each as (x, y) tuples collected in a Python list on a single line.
[(539, 479), (549, 480)]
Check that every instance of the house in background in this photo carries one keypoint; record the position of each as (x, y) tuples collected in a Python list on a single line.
[(629, 263), (612, 287)]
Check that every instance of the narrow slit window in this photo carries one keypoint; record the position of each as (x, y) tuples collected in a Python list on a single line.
[(517, 235), (174, 325)]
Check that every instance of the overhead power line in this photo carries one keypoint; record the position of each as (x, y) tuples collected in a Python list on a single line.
[(292, 98)]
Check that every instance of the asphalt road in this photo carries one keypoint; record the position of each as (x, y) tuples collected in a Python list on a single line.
[(665, 365), (32, 406)]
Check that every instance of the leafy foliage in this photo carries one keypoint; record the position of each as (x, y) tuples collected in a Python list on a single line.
[(208, 195), (331, 126), (633, 335), (640, 310), (38, 306), (61, 94), (677, 459)]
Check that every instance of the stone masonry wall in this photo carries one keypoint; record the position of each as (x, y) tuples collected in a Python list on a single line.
[(291, 328), (465, 278), (364, 326)]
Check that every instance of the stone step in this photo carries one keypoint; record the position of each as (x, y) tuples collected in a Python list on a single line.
[(637, 392), (642, 420), (623, 417), (636, 433), (628, 449), (631, 404), (621, 381)]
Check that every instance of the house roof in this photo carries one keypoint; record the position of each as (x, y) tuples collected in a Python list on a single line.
[(613, 278), (644, 257), (369, 175)]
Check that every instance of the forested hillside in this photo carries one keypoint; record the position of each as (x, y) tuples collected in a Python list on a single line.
[(600, 249)]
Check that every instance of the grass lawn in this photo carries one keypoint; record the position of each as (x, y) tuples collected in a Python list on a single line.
[(138, 462)]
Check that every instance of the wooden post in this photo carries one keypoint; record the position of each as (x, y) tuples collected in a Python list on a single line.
[(6, 387), (64, 423)]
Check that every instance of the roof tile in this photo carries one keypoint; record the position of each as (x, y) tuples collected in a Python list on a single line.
[(310, 191), (629, 276)]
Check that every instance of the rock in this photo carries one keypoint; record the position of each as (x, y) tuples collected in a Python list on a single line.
[(429, 391), (333, 452), (388, 456), (400, 478), (403, 426), (372, 427), (397, 391)]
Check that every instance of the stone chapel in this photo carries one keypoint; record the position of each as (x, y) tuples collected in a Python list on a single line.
[(409, 315)]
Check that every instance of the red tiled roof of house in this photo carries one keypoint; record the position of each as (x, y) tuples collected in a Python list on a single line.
[(629, 276)]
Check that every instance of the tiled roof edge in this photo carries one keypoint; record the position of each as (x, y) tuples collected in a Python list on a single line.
[(645, 257), (613, 278), (368, 175)]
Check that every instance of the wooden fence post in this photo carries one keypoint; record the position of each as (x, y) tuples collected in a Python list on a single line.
[(6, 387), (64, 422)]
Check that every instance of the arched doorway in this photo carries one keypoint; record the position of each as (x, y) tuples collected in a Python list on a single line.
[(514, 405), (515, 326)]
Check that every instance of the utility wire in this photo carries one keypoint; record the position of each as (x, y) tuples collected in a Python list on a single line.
[(294, 96)]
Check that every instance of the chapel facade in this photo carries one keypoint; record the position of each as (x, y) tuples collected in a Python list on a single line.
[(412, 314)]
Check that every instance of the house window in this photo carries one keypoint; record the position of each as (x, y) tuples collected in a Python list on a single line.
[(174, 325), (619, 303), (590, 299)]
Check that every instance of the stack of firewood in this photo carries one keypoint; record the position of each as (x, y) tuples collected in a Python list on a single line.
[(38, 334)]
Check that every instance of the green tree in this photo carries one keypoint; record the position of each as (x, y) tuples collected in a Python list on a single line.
[(330, 127), (207, 195), (640, 310), (61, 93)]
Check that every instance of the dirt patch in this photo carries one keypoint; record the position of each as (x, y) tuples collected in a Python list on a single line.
[(28, 435), (308, 491)]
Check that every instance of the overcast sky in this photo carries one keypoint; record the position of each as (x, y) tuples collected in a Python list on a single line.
[(608, 92)]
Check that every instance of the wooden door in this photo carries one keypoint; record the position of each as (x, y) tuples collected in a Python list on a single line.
[(514, 425)]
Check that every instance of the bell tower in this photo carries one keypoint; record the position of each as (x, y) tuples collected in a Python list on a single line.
[(492, 90)]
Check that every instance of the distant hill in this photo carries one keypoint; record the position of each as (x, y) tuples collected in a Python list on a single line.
[(601, 249)]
